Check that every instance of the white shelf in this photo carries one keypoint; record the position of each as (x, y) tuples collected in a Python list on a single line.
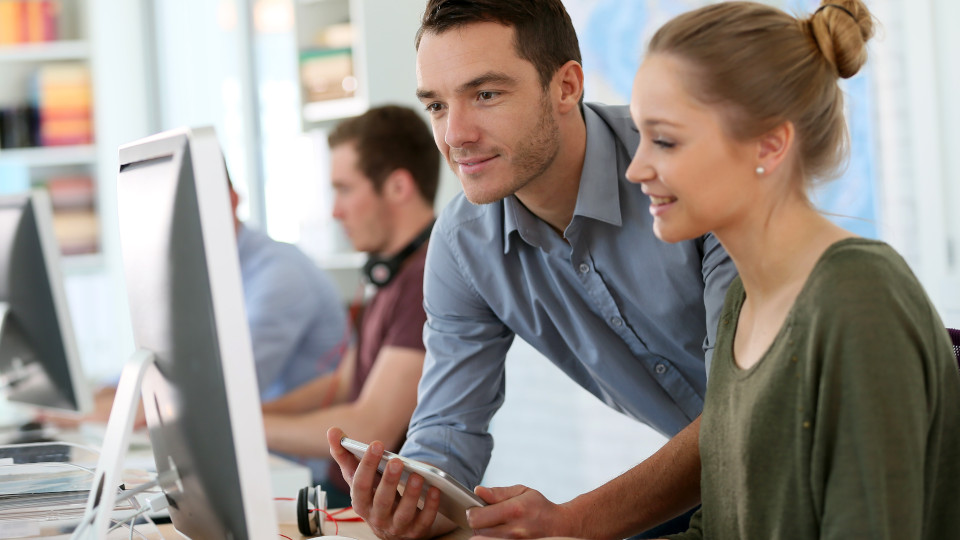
[(47, 51), (82, 264), (334, 109), (45, 156)]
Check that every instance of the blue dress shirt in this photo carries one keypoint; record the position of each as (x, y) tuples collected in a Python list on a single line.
[(298, 324), (628, 317)]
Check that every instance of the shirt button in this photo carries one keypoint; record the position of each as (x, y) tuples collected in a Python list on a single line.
[(661, 369), (616, 321), (584, 268)]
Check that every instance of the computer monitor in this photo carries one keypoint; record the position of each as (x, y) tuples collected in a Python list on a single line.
[(199, 388), (39, 362)]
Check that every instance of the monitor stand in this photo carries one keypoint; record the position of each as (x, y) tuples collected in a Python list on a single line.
[(107, 479)]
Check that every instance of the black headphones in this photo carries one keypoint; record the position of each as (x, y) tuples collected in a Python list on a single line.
[(308, 501), (381, 270)]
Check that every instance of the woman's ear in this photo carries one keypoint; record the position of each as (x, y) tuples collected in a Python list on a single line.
[(773, 147)]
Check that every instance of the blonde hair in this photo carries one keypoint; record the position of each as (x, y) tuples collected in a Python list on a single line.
[(766, 67)]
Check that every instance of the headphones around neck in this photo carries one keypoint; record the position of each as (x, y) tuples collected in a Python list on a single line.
[(381, 270)]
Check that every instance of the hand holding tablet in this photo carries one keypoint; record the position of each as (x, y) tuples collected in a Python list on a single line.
[(455, 498)]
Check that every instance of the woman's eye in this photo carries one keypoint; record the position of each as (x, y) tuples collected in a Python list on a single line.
[(663, 143)]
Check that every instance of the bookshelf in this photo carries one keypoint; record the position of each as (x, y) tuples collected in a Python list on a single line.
[(50, 156), (352, 54), (47, 132)]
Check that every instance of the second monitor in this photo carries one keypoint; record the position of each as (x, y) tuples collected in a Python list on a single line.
[(39, 362)]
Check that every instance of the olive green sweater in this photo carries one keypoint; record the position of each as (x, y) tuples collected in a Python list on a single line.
[(848, 426)]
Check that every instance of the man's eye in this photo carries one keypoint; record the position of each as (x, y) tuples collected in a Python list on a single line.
[(484, 96), (432, 107)]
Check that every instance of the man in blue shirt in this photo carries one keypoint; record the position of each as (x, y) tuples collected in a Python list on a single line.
[(298, 322), (548, 242)]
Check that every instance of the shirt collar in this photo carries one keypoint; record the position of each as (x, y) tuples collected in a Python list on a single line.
[(598, 196)]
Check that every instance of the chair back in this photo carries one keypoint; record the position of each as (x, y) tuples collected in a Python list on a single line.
[(955, 338)]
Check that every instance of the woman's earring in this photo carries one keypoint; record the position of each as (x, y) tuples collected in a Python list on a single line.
[(761, 171)]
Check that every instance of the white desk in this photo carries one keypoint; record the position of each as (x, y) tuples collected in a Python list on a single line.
[(358, 530), (286, 478)]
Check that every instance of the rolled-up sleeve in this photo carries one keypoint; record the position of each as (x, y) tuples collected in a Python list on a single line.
[(463, 373), (718, 272)]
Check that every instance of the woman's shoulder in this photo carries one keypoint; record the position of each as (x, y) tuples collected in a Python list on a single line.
[(856, 264), (863, 281)]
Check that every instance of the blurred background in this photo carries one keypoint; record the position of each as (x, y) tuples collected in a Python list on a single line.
[(78, 78)]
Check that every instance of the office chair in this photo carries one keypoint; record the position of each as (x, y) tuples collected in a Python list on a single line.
[(955, 338)]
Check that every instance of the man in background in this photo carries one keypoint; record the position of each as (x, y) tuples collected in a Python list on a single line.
[(298, 323), (385, 171)]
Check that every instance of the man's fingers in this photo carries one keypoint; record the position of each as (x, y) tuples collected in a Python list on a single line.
[(488, 520), (499, 494), (363, 489), (406, 511), (385, 497), (347, 461), (426, 517)]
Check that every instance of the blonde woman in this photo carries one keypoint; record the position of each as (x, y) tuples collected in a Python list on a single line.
[(833, 400)]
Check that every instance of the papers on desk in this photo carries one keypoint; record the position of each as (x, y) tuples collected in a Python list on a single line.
[(44, 483), (35, 478)]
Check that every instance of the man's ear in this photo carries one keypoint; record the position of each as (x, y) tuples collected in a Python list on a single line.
[(773, 147), (569, 80), (399, 186)]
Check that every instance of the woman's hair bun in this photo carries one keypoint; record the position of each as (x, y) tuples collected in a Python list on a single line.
[(841, 29)]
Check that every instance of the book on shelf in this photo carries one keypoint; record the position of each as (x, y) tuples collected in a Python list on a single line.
[(19, 126), (29, 21), (75, 221), (59, 111), (71, 191), (64, 102)]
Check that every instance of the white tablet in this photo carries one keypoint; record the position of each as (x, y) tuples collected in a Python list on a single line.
[(455, 498)]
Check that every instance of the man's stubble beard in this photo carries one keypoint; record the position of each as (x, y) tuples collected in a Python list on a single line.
[(533, 158)]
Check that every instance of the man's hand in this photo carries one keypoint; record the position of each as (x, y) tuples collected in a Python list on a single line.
[(102, 405), (519, 512), (375, 497)]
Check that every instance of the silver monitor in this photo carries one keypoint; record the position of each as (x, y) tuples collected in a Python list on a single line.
[(199, 387), (39, 363)]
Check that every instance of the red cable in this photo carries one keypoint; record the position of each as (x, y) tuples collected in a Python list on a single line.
[(336, 530), (336, 521)]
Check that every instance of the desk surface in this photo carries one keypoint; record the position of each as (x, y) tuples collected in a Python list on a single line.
[(358, 530)]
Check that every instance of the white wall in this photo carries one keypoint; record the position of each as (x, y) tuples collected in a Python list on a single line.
[(917, 86)]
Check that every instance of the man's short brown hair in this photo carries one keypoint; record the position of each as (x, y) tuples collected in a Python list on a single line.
[(544, 33), (388, 138)]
